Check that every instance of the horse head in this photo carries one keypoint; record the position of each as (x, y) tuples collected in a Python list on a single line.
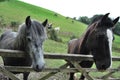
[(35, 35), (99, 41)]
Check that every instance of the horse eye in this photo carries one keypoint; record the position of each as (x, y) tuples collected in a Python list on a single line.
[(29, 39), (36, 45)]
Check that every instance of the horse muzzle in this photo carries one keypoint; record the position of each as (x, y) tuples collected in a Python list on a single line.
[(102, 66), (39, 65), (39, 68), (38, 62)]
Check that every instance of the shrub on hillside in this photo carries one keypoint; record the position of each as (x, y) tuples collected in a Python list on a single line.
[(84, 19), (73, 37), (2, 22), (54, 36), (14, 24)]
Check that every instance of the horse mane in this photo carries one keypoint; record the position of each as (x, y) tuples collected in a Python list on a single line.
[(108, 22), (82, 40), (95, 18), (20, 39), (36, 28)]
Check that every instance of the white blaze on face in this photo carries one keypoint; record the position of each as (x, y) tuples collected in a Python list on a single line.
[(110, 38)]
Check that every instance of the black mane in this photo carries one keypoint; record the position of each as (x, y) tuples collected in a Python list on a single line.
[(96, 18), (107, 22)]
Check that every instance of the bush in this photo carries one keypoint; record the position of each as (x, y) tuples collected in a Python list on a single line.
[(14, 24), (84, 19), (73, 37), (54, 36), (2, 22), (116, 30)]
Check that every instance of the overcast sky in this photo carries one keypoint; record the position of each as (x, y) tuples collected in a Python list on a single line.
[(76, 8)]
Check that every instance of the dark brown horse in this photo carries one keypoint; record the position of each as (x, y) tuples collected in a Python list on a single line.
[(29, 38), (97, 41)]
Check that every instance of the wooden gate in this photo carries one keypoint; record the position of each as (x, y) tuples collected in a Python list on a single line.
[(52, 71)]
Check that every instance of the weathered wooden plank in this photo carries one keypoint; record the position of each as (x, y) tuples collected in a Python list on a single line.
[(110, 73), (14, 53), (76, 57), (7, 73), (73, 57), (11, 53), (109, 79), (29, 69), (53, 73), (83, 71)]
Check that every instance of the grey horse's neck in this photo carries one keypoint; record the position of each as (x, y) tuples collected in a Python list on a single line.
[(20, 42)]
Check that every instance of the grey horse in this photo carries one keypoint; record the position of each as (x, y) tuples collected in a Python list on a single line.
[(29, 38)]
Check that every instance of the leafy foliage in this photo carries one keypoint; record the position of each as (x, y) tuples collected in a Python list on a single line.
[(116, 30), (87, 21), (14, 24), (84, 19), (2, 21), (54, 35)]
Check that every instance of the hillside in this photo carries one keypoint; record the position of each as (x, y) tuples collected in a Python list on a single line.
[(14, 10)]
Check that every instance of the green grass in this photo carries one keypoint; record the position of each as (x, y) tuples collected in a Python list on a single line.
[(52, 46), (14, 10)]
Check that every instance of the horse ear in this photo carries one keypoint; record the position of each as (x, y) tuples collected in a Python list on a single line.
[(28, 21), (51, 25), (115, 20), (45, 23), (105, 17)]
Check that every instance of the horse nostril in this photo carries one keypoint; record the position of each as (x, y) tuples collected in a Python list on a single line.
[(103, 66), (37, 67)]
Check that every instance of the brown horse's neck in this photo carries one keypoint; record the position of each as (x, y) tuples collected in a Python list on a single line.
[(82, 49)]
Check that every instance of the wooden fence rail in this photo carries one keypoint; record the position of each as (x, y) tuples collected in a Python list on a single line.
[(68, 57), (74, 57), (29, 69)]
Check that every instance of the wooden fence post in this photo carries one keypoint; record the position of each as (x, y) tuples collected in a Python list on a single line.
[(110, 73), (83, 71), (7, 73), (53, 73)]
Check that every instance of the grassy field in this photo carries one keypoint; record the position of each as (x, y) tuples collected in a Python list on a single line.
[(17, 11), (14, 10)]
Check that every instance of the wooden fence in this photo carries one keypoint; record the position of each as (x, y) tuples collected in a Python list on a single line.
[(52, 71)]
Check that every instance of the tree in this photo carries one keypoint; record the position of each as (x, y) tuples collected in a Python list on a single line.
[(116, 30), (84, 19)]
